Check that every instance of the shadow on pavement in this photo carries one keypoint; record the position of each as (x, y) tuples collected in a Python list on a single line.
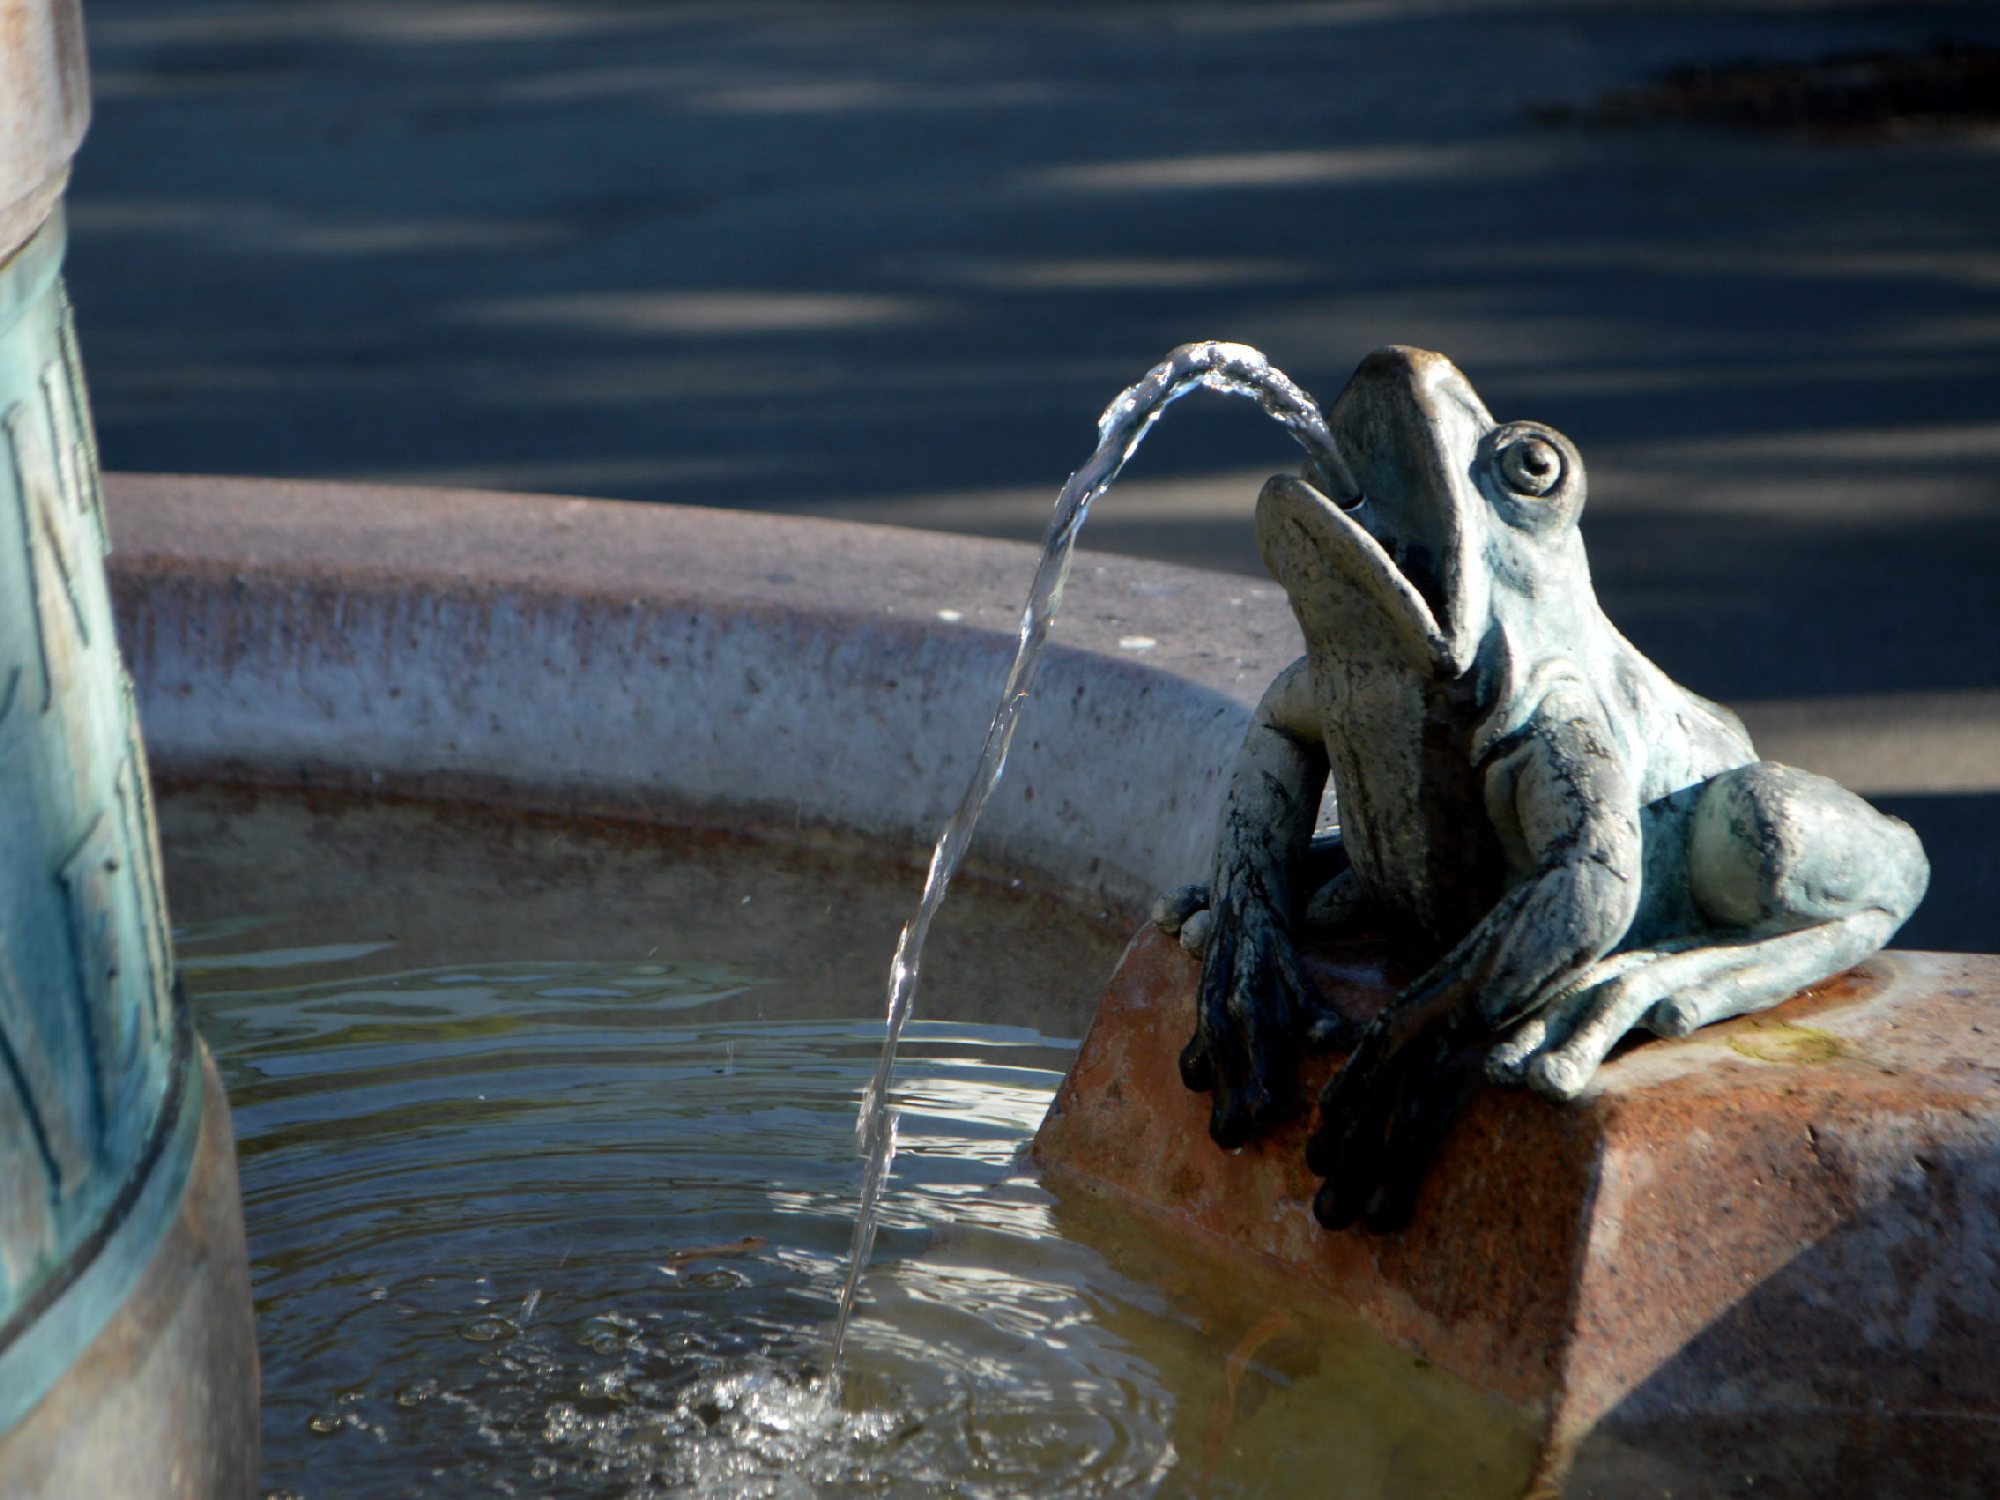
[(889, 261)]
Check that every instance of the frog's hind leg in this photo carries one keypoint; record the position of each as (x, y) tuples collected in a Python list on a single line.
[(1800, 879), (1573, 1007), (1671, 993)]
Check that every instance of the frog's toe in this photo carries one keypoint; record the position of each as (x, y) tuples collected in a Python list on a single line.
[(1334, 1208), (1508, 1062), (1557, 1049), (1241, 1114), (1247, 1028), (1172, 910), (1674, 1017), (1327, 1146), (1195, 930), (1354, 1108), (1346, 1103), (1343, 1152), (1198, 1064), (1593, 1024), (1428, 1105), (1560, 1076), (1374, 1153)]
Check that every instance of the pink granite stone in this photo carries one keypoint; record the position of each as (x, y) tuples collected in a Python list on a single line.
[(1770, 1250)]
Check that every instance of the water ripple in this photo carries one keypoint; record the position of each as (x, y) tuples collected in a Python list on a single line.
[(544, 1229)]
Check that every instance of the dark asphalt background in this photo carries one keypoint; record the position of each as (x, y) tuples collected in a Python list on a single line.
[(888, 262)]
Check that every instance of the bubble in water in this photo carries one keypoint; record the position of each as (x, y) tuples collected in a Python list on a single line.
[(606, 1385), (607, 1333), (721, 1279), (563, 1420)]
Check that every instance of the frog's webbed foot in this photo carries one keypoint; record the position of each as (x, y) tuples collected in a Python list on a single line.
[(1557, 1050), (1803, 879), (1671, 990), (1249, 1005), (1383, 1114), (1255, 1013), (1184, 912)]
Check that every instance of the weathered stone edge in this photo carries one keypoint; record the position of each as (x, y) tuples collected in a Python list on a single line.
[(667, 658)]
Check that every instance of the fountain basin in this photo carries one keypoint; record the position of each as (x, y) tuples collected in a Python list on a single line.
[(586, 659), (680, 664), (709, 668)]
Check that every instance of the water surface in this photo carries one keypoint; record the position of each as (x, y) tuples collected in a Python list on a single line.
[(546, 1136)]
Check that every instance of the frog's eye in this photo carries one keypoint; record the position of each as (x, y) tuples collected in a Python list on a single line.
[(1531, 466)]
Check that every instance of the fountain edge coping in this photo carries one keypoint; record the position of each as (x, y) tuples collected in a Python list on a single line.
[(611, 549), (453, 640)]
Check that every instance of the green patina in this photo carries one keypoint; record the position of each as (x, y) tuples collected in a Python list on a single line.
[(98, 1108)]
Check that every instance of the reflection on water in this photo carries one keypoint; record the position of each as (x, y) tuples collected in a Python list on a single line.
[(572, 1224), (553, 1226)]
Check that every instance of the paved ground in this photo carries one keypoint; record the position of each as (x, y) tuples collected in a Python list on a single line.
[(888, 261)]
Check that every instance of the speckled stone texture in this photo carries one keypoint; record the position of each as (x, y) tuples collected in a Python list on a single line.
[(1765, 1259)]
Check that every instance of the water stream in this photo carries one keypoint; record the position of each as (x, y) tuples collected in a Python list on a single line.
[(1233, 369)]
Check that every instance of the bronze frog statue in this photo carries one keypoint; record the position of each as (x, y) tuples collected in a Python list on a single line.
[(1569, 845)]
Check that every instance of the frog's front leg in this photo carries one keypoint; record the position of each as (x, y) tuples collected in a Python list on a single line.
[(1560, 785), (1253, 1011), (1798, 879), (1336, 908)]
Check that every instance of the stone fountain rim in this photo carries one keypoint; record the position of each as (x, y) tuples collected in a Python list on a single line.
[(338, 633), (1215, 630)]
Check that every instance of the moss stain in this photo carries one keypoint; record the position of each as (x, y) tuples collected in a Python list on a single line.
[(1782, 1042)]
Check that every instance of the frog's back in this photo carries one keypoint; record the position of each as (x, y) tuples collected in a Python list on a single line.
[(1673, 737)]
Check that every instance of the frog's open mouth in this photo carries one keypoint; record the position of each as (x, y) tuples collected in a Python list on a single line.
[(1409, 424), (1342, 582)]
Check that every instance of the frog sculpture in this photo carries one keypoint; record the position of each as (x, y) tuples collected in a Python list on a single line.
[(1562, 843)]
